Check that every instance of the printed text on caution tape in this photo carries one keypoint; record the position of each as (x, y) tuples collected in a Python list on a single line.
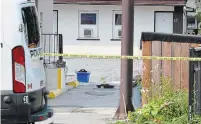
[(121, 57)]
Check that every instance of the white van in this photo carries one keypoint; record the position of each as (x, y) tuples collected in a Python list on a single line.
[(23, 81)]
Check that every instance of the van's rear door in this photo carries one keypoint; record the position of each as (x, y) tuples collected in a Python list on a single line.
[(35, 74), (0, 49), (1, 57)]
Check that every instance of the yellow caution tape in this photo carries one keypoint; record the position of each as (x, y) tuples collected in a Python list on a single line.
[(121, 57)]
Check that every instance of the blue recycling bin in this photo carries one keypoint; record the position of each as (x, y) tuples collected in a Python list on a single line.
[(83, 76)]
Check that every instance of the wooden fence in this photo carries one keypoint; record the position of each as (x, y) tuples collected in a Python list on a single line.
[(166, 45)]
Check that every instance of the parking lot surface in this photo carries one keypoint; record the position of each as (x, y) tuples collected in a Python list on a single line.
[(86, 104)]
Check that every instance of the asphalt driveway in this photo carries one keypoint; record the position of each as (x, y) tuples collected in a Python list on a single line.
[(86, 104)]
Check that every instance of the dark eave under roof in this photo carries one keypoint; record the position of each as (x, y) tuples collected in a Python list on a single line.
[(118, 2)]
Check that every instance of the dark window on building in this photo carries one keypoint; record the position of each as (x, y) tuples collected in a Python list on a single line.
[(191, 23), (31, 26), (36, 1), (88, 18), (118, 18)]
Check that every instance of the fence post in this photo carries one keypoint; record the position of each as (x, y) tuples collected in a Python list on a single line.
[(191, 84), (60, 62), (194, 84), (197, 83)]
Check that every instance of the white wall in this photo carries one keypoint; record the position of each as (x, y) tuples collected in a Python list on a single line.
[(191, 3), (68, 26), (46, 7)]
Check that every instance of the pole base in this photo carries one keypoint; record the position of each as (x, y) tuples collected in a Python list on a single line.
[(122, 111), (60, 64)]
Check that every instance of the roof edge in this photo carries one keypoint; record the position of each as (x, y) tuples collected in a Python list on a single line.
[(119, 2), (100, 3)]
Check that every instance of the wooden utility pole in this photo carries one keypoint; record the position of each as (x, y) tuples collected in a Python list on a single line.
[(126, 64)]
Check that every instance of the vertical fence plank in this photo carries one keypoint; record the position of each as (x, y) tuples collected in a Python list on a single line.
[(146, 51), (156, 66), (166, 64), (194, 45), (176, 65), (184, 66)]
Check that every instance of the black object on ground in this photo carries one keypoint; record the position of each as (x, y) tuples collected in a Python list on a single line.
[(105, 86)]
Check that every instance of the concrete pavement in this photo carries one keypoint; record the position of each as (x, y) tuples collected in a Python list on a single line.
[(86, 104)]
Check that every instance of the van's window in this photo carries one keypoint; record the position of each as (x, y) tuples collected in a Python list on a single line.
[(31, 27)]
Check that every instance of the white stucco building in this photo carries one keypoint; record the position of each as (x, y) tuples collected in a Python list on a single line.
[(94, 27), (192, 7), (45, 8), (102, 21)]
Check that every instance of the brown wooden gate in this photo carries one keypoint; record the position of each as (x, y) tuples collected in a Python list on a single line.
[(166, 45)]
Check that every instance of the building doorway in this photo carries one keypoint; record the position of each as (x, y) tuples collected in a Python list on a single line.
[(164, 22)]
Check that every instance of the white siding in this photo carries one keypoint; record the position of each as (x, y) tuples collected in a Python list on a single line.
[(46, 7), (106, 68), (68, 26)]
